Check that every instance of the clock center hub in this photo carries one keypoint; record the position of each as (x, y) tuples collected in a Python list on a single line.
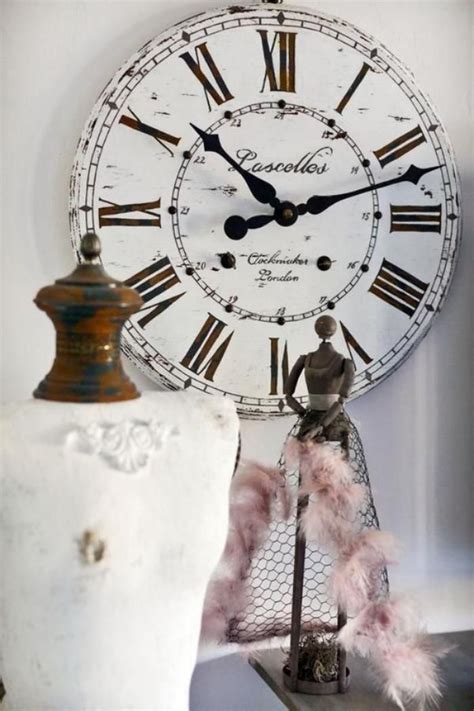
[(286, 214)]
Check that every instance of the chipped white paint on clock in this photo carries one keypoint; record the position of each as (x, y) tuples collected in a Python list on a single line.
[(314, 107)]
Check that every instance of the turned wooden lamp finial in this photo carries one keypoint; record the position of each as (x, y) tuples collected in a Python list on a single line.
[(90, 247), (88, 309)]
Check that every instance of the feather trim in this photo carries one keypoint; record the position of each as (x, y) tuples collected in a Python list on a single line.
[(258, 495), (388, 633)]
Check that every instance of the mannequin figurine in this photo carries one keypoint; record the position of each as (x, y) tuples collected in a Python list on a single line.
[(273, 611), (329, 378)]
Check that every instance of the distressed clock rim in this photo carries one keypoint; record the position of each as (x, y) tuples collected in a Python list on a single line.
[(445, 274)]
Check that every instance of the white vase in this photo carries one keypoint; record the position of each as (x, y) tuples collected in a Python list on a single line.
[(113, 518)]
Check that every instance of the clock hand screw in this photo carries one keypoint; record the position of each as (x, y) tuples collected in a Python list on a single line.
[(324, 263), (228, 260), (286, 214)]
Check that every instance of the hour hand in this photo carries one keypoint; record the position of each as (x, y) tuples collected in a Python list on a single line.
[(236, 227), (285, 215), (210, 141), (261, 190)]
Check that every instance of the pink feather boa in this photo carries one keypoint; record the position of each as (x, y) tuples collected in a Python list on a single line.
[(326, 477), (388, 633), (258, 495), (355, 578)]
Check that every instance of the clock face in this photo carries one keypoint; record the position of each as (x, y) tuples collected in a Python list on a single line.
[(252, 169)]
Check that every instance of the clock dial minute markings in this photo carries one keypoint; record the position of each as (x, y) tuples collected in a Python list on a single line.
[(261, 190)]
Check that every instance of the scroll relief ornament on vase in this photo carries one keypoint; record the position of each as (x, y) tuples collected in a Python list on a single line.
[(126, 446)]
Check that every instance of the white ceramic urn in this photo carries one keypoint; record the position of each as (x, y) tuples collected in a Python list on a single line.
[(113, 517)]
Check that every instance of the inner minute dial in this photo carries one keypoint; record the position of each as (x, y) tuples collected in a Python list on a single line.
[(319, 258)]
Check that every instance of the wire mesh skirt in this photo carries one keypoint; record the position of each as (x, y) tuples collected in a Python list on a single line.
[(270, 581)]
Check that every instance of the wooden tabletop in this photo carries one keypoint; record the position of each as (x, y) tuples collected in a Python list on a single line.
[(457, 671)]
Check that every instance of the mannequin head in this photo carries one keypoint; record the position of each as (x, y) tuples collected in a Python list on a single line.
[(325, 327)]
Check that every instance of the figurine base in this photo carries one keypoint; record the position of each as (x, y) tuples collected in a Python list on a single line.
[(316, 688)]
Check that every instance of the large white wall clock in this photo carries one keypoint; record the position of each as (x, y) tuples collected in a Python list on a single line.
[(253, 168)]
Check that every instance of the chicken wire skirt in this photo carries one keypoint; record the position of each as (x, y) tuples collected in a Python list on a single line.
[(270, 580)]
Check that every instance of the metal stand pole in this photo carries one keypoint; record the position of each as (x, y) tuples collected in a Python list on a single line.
[(341, 654), (298, 581), (342, 616)]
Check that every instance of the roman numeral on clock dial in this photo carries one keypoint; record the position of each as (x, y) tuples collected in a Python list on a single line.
[(214, 85), (415, 218), (353, 345), (279, 73), (279, 369), (153, 219), (401, 145), (202, 348), (164, 138), (348, 95), (398, 288), (151, 282)]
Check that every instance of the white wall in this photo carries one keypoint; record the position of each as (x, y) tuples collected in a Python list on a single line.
[(417, 426)]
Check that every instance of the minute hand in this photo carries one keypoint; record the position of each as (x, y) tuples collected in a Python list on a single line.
[(318, 203), (260, 189)]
